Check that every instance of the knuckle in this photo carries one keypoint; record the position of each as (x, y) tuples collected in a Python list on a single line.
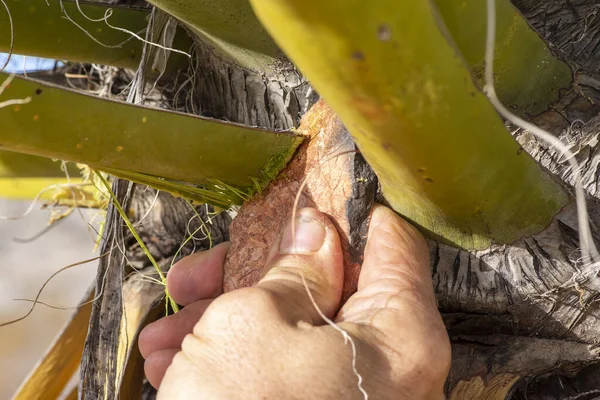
[(398, 296), (190, 344), (398, 240), (395, 279), (400, 276), (291, 268), (285, 270), (257, 300), (239, 307), (291, 275)]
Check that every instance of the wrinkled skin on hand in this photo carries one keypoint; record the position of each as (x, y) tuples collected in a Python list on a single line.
[(269, 341)]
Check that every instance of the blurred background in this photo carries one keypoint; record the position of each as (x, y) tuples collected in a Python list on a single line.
[(24, 267), (18, 63), (31, 251)]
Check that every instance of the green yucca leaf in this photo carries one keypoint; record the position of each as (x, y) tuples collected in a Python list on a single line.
[(199, 158)]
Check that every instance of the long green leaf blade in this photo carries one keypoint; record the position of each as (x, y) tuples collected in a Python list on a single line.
[(528, 77), (114, 136), (43, 30)]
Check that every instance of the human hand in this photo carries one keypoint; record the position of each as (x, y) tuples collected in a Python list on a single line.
[(269, 341)]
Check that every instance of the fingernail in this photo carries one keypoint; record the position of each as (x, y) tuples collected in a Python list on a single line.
[(310, 236)]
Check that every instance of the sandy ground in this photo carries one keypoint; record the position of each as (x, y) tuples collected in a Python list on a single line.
[(23, 270)]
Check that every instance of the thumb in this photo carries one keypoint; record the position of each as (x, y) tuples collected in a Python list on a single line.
[(313, 253)]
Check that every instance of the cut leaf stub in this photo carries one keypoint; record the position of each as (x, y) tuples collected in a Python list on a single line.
[(339, 184)]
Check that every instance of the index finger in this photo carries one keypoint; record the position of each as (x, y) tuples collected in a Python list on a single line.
[(394, 310), (395, 291)]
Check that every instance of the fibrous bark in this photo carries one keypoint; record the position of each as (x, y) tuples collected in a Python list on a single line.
[(571, 27), (268, 99), (501, 360)]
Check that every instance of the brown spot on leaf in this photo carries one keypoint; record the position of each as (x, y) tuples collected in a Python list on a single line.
[(384, 33), (38, 91), (357, 55)]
